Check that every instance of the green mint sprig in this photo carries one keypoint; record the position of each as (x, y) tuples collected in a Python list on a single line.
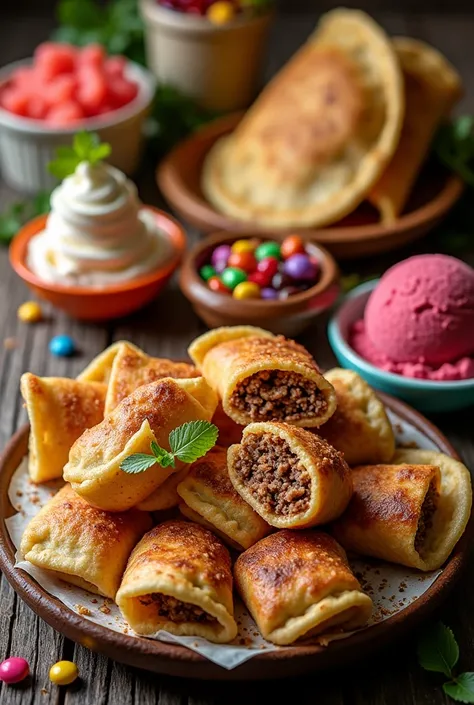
[(18, 213), (188, 442), (454, 147), (86, 147), (438, 651)]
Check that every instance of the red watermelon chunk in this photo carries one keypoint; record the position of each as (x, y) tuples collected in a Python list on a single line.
[(65, 114), (92, 55), (54, 59), (14, 100)]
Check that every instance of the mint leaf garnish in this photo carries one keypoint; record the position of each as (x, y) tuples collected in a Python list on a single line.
[(438, 650), (461, 688), (86, 147), (138, 462)]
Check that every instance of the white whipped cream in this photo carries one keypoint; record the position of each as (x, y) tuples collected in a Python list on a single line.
[(97, 233)]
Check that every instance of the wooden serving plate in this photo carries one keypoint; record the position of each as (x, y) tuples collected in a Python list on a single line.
[(176, 660), (358, 235)]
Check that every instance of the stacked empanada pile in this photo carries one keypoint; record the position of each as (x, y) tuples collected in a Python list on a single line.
[(305, 467), (350, 117)]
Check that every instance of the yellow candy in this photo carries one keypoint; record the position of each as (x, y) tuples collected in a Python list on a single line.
[(246, 290), (63, 673), (243, 245), (221, 12), (30, 312)]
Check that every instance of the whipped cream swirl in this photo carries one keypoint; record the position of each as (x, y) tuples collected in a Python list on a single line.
[(97, 233)]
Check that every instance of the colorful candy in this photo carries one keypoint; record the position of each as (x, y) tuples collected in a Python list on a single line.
[(62, 346), (30, 312), (242, 260), (215, 284), (63, 673), (244, 245), (300, 267), (231, 276), (247, 290), (292, 245), (220, 254), (268, 249), (207, 272), (14, 670), (268, 266), (221, 12)]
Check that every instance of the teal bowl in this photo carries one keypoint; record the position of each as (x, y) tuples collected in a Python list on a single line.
[(425, 395)]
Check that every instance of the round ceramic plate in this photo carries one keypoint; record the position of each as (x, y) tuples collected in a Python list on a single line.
[(358, 235), (178, 661)]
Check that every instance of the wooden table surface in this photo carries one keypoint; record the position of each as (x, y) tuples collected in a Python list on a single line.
[(165, 328)]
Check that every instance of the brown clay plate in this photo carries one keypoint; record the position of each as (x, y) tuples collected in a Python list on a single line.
[(358, 235), (178, 661)]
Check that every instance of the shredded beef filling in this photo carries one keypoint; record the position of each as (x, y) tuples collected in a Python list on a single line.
[(278, 395), (425, 522), (273, 474), (176, 611)]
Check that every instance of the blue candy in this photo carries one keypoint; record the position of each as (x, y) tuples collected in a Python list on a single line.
[(62, 346)]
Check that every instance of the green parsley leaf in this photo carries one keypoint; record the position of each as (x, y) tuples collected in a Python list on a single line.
[(100, 152), (461, 688), (192, 440), (86, 147), (138, 462), (83, 143), (61, 168), (438, 650)]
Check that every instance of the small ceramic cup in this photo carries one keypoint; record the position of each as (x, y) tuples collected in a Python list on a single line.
[(423, 394), (288, 317)]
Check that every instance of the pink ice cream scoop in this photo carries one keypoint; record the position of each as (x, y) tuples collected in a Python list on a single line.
[(423, 311)]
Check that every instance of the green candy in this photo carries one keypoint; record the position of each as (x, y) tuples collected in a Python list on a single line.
[(232, 276), (268, 249), (207, 272)]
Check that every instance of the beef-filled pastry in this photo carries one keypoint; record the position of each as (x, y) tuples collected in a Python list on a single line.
[(291, 477), (166, 495), (298, 584), (59, 410), (359, 427), (149, 414), (99, 369), (412, 512), (262, 377), (83, 545), (132, 368), (179, 579), (210, 499)]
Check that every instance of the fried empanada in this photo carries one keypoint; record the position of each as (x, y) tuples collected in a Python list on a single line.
[(59, 410), (210, 499), (263, 377), (83, 545), (99, 369), (291, 477), (150, 413), (166, 495), (179, 579), (359, 428), (298, 584), (412, 512)]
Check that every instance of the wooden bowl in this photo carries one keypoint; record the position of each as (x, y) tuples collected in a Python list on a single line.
[(92, 304), (288, 317), (176, 660), (358, 235)]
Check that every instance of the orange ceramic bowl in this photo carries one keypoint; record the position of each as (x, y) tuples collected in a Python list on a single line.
[(91, 304)]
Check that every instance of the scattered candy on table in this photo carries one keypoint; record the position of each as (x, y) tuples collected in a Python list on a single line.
[(63, 673), (14, 670), (252, 269), (30, 312), (62, 346)]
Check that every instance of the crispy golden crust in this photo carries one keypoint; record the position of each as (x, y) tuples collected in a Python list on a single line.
[(330, 486), (187, 562), (132, 368), (204, 343), (150, 413), (59, 410), (99, 369), (83, 545), (166, 495), (208, 491), (384, 513), (229, 431), (359, 428), (298, 584)]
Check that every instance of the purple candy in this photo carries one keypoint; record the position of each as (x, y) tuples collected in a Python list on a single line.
[(268, 293), (300, 267), (220, 253), (220, 265)]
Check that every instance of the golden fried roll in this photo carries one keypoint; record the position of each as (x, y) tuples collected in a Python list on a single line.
[(263, 377), (291, 477), (359, 428), (166, 495), (132, 368), (412, 512), (149, 414), (99, 369), (229, 431), (59, 410), (298, 584), (179, 579), (210, 499), (83, 545)]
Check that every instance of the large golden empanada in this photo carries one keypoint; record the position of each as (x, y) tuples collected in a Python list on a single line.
[(166, 495), (320, 134), (263, 377), (432, 87), (412, 512), (99, 369), (83, 545), (291, 477), (132, 368), (179, 579), (210, 499), (150, 413), (297, 584), (59, 410), (359, 428)]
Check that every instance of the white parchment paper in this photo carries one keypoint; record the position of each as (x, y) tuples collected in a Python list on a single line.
[(391, 587)]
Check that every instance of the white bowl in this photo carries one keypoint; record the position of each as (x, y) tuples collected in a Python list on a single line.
[(27, 145)]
